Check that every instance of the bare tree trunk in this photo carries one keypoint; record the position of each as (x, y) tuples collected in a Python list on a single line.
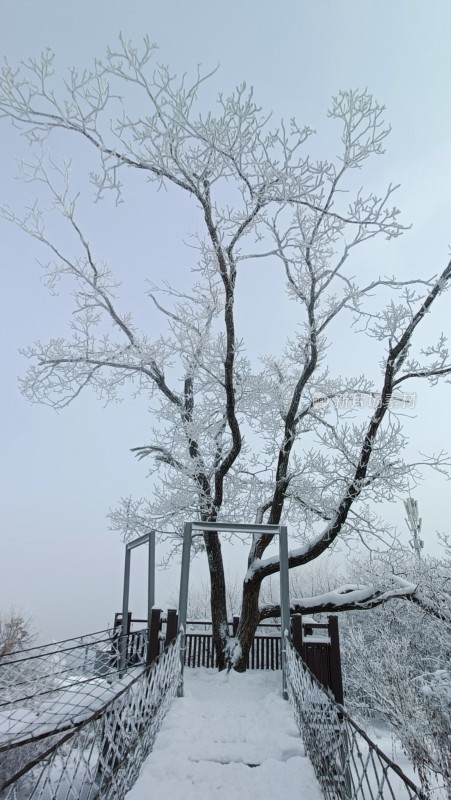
[(249, 619), (218, 597)]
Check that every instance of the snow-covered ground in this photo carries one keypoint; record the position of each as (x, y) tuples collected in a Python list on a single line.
[(230, 737), (389, 743)]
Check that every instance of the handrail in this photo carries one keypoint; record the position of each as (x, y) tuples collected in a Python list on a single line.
[(101, 754), (347, 763), (55, 644)]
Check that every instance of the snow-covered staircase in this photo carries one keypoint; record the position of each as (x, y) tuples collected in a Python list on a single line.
[(231, 736)]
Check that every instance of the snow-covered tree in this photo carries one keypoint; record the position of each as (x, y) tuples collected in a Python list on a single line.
[(15, 632), (199, 602), (396, 665), (280, 440)]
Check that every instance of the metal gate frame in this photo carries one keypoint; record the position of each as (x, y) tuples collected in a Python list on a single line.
[(148, 538), (232, 527)]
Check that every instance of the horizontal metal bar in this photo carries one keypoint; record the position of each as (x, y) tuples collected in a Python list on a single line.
[(138, 542), (234, 526)]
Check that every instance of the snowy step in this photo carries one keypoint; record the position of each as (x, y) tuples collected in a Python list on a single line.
[(231, 736)]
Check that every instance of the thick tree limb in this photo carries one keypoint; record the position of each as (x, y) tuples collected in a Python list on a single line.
[(355, 598)]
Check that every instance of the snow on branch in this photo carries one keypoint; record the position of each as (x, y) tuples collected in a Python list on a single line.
[(354, 597), (349, 597)]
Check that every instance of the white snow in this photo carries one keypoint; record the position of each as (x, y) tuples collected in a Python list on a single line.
[(74, 703), (231, 736), (356, 594)]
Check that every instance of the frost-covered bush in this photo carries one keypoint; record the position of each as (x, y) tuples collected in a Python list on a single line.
[(396, 667), (15, 633)]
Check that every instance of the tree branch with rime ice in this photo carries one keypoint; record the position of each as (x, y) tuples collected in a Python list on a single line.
[(355, 598), (232, 438), (393, 363)]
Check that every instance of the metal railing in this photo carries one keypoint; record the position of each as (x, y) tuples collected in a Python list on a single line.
[(37, 671), (89, 741), (348, 765)]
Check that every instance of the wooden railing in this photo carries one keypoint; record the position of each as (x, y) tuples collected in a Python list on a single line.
[(320, 653), (317, 644), (200, 651)]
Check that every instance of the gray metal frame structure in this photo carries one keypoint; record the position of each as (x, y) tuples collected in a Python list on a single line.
[(205, 527), (148, 538)]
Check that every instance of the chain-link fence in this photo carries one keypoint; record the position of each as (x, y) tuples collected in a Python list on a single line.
[(348, 765), (88, 739)]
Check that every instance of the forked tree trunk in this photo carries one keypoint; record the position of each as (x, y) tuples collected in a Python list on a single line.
[(249, 620)]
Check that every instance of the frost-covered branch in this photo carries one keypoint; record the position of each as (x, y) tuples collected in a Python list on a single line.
[(233, 437), (345, 598), (354, 598)]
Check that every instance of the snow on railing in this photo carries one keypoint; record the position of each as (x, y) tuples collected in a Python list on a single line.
[(89, 740), (37, 671), (348, 765)]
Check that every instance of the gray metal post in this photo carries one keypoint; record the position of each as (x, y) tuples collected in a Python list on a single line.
[(151, 578), (281, 531), (149, 539), (125, 597), (284, 602), (183, 598)]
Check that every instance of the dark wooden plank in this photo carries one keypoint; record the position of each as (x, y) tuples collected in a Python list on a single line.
[(336, 679), (153, 647), (171, 626)]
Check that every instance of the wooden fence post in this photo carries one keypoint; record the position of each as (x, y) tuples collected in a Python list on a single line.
[(171, 626), (296, 632), (153, 645), (236, 622), (336, 680)]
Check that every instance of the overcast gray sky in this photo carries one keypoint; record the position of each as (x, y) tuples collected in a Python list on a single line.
[(61, 472)]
